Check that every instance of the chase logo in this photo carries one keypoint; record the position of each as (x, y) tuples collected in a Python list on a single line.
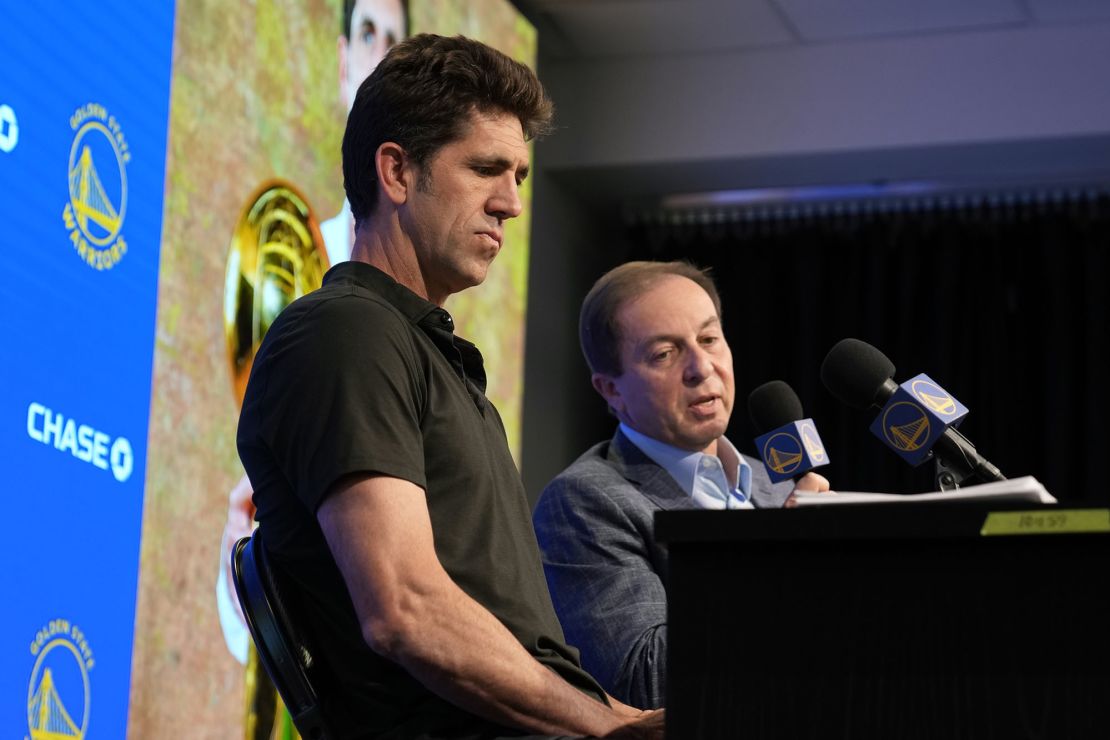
[(782, 453), (905, 426), (933, 396), (9, 129), (97, 203), (85, 443), (58, 694)]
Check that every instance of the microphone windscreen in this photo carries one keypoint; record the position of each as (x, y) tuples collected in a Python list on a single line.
[(772, 405), (855, 372)]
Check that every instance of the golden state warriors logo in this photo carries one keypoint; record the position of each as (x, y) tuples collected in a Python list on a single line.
[(58, 696), (782, 453), (812, 441), (906, 426), (933, 396), (97, 203)]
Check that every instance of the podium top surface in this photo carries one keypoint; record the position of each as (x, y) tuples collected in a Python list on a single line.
[(968, 519)]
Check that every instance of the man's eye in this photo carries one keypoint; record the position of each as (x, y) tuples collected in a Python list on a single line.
[(369, 32), (662, 355)]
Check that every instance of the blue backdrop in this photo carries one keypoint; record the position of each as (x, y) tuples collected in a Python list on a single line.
[(84, 102)]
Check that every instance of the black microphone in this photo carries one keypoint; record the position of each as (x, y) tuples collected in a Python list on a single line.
[(773, 404), (787, 443), (859, 375)]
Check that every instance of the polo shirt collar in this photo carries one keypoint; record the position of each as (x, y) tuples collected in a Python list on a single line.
[(412, 306), (433, 320)]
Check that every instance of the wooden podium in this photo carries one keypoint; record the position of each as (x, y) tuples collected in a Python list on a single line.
[(937, 621)]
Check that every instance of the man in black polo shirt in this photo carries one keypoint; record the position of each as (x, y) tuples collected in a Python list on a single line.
[(383, 481)]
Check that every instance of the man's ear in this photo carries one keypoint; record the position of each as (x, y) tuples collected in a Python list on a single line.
[(341, 56), (396, 173), (606, 386)]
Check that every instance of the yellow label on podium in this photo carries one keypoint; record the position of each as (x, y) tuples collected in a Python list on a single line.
[(1050, 521)]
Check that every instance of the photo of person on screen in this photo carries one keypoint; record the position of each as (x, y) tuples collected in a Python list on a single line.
[(372, 28)]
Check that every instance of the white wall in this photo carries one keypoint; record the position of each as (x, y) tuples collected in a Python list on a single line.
[(923, 91)]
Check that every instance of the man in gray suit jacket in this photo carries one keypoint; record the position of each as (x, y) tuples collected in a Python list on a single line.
[(651, 333)]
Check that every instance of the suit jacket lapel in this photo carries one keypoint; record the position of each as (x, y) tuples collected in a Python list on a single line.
[(653, 481)]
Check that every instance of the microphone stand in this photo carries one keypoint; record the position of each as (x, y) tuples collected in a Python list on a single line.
[(964, 462), (948, 479)]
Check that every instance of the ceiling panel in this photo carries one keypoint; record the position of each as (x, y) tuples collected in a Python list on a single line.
[(1053, 11), (633, 27), (823, 20)]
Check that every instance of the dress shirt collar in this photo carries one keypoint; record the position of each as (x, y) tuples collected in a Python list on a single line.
[(723, 481)]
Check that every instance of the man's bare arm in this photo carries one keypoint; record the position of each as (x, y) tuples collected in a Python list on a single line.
[(412, 613)]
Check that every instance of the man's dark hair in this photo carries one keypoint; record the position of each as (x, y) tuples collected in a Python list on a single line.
[(598, 329), (349, 10), (421, 97)]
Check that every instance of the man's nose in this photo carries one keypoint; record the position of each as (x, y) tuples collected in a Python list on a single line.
[(699, 366), (505, 203)]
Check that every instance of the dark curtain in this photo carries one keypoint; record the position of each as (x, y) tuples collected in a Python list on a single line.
[(1000, 299)]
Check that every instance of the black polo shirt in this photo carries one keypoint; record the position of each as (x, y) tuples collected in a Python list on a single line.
[(364, 376)]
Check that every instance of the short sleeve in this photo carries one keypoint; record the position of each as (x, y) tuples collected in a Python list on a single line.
[(341, 392)]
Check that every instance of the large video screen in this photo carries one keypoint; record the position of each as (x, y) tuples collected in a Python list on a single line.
[(169, 179)]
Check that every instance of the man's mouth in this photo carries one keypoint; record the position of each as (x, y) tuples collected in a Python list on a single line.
[(703, 404), (493, 236)]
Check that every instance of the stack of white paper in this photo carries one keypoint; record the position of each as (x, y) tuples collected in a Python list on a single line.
[(1019, 490)]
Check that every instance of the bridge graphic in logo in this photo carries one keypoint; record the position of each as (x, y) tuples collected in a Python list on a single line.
[(91, 202), (935, 397), (49, 718), (906, 426), (783, 453), (813, 444)]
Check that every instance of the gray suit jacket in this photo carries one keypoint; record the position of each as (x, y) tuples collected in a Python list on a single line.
[(606, 572)]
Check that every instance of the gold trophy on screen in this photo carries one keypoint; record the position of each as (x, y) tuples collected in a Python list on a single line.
[(277, 255)]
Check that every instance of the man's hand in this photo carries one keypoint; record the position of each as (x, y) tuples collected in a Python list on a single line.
[(809, 483), (812, 482), (623, 709), (650, 725)]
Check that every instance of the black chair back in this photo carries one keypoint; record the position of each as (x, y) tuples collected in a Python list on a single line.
[(282, 649)]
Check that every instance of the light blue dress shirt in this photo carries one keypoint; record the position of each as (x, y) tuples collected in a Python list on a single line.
[(702, 476)]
